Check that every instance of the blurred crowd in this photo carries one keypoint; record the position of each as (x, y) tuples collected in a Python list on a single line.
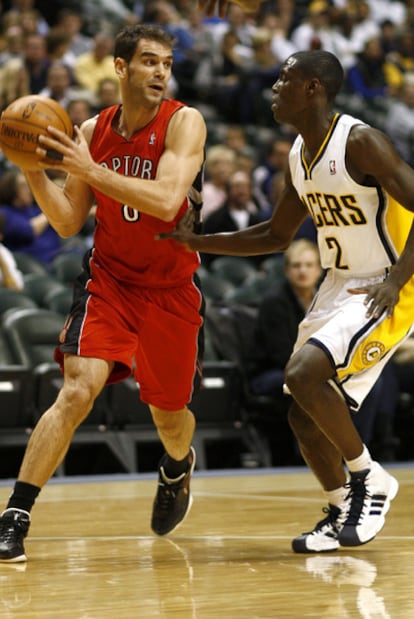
[(224, 67)]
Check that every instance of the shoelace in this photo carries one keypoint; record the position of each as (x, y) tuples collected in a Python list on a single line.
[(8, 529), (165, 496), (357, 494), (330, 519)]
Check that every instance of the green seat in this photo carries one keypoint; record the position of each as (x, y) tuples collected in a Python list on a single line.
[(28, 264), (14, 299), (38, 286), (215, 287), (66, 267), (234, 269), (59, 300)]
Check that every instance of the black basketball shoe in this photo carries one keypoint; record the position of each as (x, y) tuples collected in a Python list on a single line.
[(14, 525), (173, 499)]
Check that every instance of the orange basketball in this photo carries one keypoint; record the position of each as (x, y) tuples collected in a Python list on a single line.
[(23, 121)]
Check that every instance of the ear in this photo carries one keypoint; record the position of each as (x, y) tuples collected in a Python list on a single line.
[(313, 85), (121, 67)]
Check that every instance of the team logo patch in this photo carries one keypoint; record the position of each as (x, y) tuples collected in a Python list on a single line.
[(372, 352), (332, 167)]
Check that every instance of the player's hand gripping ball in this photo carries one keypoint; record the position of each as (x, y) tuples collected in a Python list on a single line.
[(23, 121)]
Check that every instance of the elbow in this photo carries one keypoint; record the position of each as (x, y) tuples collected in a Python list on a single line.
[(168, 210), (66, 231)]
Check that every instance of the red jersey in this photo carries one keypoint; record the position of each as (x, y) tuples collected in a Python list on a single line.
[(124, 243)]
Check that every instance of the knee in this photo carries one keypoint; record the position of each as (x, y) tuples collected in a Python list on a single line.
[(75, 401), (297, 376)]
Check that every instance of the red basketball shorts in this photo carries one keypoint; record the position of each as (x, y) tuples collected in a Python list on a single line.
[(151, 331)]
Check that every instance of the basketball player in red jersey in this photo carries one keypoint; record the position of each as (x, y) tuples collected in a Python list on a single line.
[(136, 304)]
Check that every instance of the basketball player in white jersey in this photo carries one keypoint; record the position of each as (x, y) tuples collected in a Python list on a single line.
[(352, 182)]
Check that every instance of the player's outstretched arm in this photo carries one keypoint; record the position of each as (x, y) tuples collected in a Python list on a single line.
[(266, 237)]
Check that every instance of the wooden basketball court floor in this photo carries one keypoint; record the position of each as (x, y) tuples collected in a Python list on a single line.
[(92, 554)]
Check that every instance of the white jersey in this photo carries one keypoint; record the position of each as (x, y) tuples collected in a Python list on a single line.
[(361, 230)]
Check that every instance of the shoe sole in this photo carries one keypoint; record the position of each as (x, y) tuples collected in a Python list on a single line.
[(19, 559), (299, 546), (353, 540)]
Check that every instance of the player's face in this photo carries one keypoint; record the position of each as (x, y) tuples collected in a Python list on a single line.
[(288, 92), (149, 71)]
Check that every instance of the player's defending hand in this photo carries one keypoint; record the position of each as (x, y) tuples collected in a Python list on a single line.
[(379, 297), (208, 7), (184, 231)]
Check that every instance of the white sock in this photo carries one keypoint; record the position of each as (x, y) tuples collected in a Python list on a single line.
[(336, 497), (361, 463)]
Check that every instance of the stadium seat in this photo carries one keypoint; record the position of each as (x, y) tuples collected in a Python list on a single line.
[(214, 287), (14, 299), (38, 286), (28, 264), (232, 328), (59, 300), (66, 267), (233, 269), (32, 335)]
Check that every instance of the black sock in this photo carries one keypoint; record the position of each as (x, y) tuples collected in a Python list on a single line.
[(23, 497), (174, 468)]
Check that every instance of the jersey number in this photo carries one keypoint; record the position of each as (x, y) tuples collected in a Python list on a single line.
[(130, 214), (332, 243)]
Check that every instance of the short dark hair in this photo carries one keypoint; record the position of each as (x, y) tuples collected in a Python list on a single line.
[(324, 66), (127, 39)]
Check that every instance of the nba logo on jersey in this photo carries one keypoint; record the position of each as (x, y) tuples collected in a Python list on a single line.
[(332, 166), (152, 139)]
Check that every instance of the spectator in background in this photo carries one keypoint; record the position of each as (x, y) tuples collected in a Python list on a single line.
[(13, 79), (79, 109), (57, 47), (26, 73), (276, 160), (107, 94), (401, 59), (258, 78), (71, 21), (26, 227), (10, 276), (239, 211), (59, 84), (362, 27), (235, 137), (228, 64), (399, 123), (279, 316), (200, 54), (219, 165), (93, 66), (281, 45), (237, 22), (11, 42), (315, 31), (36, 62), (27, 13), (368, 77)]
